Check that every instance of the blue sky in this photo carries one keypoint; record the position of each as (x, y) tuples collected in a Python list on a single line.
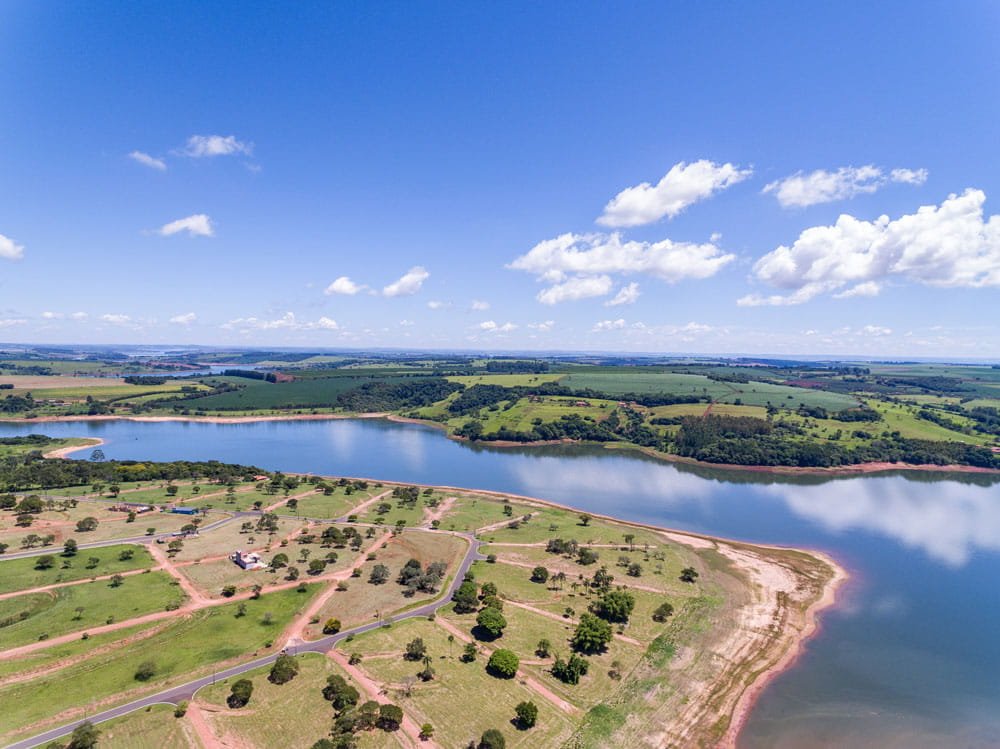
[(702, 177)]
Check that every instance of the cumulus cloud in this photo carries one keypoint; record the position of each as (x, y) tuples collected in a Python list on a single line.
[(951, 245), (146, 160), (684, 185), (79, 316), (288, 321), (480, 306), (202, 146), (345, 286), (605, 325), (198, 225), (114, 319), (868, 288), (53, 315), (408, 284), (821, 186), (542, 327), (592, 256), (490, 326), (10, 322), (876, 330), (9, 249), (626, 295), (185, 319), (436, 304)]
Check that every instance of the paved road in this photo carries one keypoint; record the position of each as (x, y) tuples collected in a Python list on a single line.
[(323, 645)]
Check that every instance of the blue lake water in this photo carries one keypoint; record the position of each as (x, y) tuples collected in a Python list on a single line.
[(909, 658)]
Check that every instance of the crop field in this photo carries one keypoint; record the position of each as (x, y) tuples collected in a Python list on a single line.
[(78, 388), (435, 701), (22, 574), (76, 607), (187, 647), (506, 380)]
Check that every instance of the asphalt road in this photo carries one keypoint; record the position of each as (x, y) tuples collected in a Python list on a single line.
[(187, 691)]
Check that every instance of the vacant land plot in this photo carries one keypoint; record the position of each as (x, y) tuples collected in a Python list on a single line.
[(23, 574), (506, 380), (36, 616), (188, 647), (230, 537), (334, 505), (152, 728), (437, 701), (902, 419)]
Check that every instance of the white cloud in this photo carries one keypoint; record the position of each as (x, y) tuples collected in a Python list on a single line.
[(876, 330), (79, 315), (480, 306), (116, 319), (324, 323), (950, 245), (408, 284), (909, 176), (12, 321), (435, 304), (592, 256), (53, 315), (605, 325), (201, 146), (868, 288), (198, 225), (679, 188), (185, 319), (626, 295), (9, 249), (406, 323), (344, 285), (288, 321), (578, 287), (822, 186), (490, 326), (542, 327), (146, 160)]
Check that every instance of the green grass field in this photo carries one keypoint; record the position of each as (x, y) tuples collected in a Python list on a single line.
[(152, 728), (22, 574), (91, 604)]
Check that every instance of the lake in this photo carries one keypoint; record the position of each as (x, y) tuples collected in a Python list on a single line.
[(909, 658)]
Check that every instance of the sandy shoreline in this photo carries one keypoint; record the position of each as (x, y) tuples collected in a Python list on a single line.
[(64, 452), (858, 469)]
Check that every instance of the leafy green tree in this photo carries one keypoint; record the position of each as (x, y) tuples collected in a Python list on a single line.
[(539, 575), (503, 664), (145, 671), (586, 556), (543, 649), (379, 574), (490, 622), (316, 566), (278, 561), (116, 581), (570, 671), (663, 612), (69, 548), (239, 693), (634, 570), (415, 649), (84, 736), (615, 606), (331, 627), (469, 652), (492, 739), (339, 693), (45, 562), (285, 669), (526, 714), (465, 599), (426, 732), (585, 519), (86, 524), (592, 634), (689, 575), (390, 717)]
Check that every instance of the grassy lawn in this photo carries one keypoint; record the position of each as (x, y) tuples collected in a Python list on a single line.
[(411, 516), (334, 505), (437, 701), (152, 728), (181, 651), (55, 612), (21, 574), (292, 715), (552, 522), (900, 418), (470, 512)]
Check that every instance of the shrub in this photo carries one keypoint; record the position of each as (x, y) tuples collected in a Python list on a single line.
[(526, 714), (503, 664), (331, 627), (239, 693)]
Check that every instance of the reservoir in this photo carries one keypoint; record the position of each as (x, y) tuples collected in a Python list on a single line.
[(910, 656)]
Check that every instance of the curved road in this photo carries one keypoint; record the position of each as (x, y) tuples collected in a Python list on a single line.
[(187, 691)]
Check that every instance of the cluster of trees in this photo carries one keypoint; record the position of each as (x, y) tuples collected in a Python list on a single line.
[(251, 374), (393, 396), (414, 578), (13, 404)]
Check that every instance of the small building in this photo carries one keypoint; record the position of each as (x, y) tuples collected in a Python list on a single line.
[(184, 510), (137, 507), (248, 560)]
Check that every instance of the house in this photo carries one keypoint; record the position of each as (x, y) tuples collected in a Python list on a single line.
[(248, 560), (184, 510)]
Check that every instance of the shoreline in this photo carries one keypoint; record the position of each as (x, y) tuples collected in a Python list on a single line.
[(856, 469), (64, 452)]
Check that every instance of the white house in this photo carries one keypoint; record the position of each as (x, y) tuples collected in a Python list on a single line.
[(249, 561)]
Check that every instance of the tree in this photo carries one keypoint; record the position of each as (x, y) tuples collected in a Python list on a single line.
[(379, 574), (428, 673), (539, 575), (84, 736), (689, 575), (97, 455), (491, 623), (526, 714), (331, 627), (341, 694), (492, 739), (69, 548), (86, 525), (592, 634), (390, 717), (145, 671), (571, 670), (125, 554), (615, 606), (116, 581), (426, 732), (285, 669), (503, 664), (543, 649), (469, 652), (239, 693), (585, 519), (278, 561), (465, 599), (663, 612), (316, 566), (630, 539), (45, 562), (586, 556), (634, 569), (415, 649)]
